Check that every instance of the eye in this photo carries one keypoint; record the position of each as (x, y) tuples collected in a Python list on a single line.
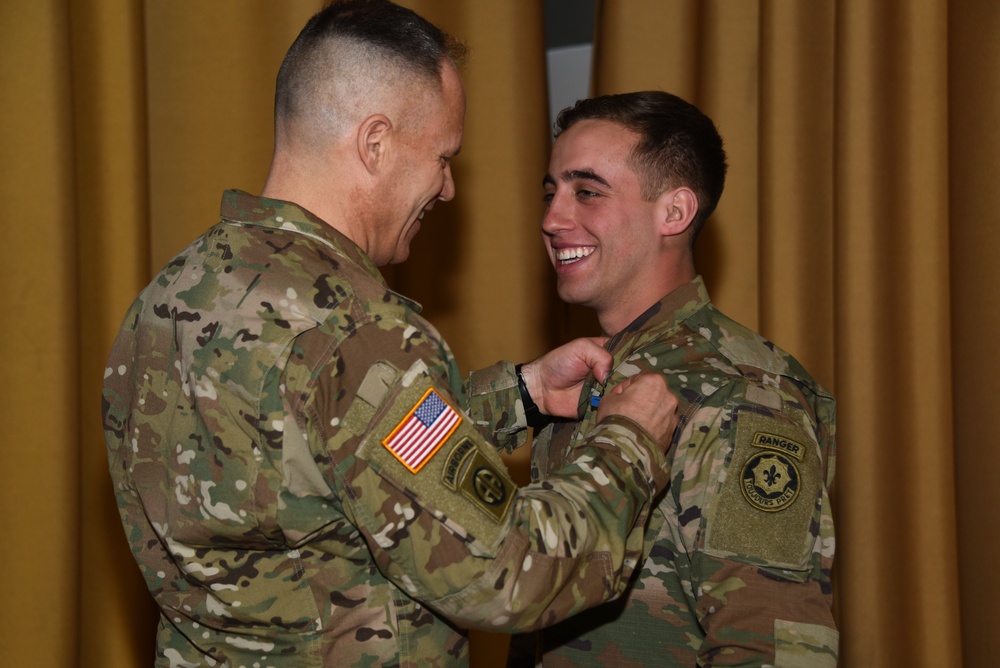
[(547, 197), (583, 193)]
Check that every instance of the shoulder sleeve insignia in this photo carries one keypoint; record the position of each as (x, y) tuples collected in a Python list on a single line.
[(431, 455), (765, 507), (469, 471), (770, 482), (422, 431)]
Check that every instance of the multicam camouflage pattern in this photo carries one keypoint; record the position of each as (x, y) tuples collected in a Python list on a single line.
[(741, 545), (245, 404)]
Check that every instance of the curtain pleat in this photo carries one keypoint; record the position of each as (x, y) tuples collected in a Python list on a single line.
[(211, 68), (896, 467), (796, 162), (974, 149), (858, 230), (108, 79), (40, 522)]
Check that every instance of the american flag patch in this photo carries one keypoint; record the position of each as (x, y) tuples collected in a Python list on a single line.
[(424, 429)]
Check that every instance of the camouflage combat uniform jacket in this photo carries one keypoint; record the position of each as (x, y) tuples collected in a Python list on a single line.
[(741, 545), (300, 480)]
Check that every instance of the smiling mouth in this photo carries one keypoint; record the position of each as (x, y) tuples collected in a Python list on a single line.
[(570, 255)]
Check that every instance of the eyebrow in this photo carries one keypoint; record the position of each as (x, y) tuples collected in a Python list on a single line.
[(574, 175)]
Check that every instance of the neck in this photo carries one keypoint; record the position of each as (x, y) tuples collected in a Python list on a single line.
[(621, 313), (328, 199)]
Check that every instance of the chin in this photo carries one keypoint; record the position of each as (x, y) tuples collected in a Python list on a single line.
[(402, 254), (569, 296)]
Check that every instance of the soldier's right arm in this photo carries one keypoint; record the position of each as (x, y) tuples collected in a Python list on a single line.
[(439, 513)]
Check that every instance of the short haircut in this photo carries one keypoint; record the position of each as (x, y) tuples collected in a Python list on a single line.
[(677, 144), (358, 50)]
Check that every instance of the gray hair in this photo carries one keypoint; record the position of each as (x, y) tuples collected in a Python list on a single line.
[(358, 57)]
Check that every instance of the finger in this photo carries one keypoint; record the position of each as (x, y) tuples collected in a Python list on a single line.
[(620, 387), (596, 357), (598, 340), (602, 369)]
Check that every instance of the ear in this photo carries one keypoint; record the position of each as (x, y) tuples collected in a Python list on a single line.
[(373, 140), (675, 210)]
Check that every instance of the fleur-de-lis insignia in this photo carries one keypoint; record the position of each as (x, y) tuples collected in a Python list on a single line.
[(771, 475)]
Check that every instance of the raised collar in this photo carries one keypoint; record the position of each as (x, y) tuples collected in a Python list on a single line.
[(241, 208), (245, 209), (658, 319), (662, 316)]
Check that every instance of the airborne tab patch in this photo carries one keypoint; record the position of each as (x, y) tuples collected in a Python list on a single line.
[(468, 471), (423, 431)]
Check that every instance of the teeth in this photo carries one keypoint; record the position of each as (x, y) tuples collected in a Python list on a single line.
[(568, 255), (421, 216)]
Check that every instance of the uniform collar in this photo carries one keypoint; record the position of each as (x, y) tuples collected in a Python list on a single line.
[(659, 318), (665, 314), (241, 208)]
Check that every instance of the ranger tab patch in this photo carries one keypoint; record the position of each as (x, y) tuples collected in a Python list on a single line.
[(762, 439), (423, 431)]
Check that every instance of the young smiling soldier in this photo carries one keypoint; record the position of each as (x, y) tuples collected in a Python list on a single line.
[(740, 548)]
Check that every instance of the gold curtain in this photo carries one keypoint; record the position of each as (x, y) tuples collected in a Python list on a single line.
[(857, 231)]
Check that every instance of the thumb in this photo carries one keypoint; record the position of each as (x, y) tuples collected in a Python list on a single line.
[(598, 358), (620, 387)]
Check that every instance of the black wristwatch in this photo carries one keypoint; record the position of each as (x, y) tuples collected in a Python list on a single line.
[(534, 416)]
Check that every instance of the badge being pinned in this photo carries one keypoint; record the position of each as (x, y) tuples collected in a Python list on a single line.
[(424, 429)]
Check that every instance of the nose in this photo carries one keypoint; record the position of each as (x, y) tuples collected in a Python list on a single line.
[(556, 218), (448, 189)]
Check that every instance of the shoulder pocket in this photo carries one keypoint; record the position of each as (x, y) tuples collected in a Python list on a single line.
[(764, 510), (422, 443)]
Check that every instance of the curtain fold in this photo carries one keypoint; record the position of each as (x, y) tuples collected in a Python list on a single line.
[(39, 375), (974, 152), (796, 163), (210, 69), (896, 495), (111, 203)]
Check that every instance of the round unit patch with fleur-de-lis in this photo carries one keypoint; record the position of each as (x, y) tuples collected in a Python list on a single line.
[(770, 481)]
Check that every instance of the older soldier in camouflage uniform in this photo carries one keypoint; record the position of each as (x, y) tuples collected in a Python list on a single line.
[(740, 548), (302, 475)]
